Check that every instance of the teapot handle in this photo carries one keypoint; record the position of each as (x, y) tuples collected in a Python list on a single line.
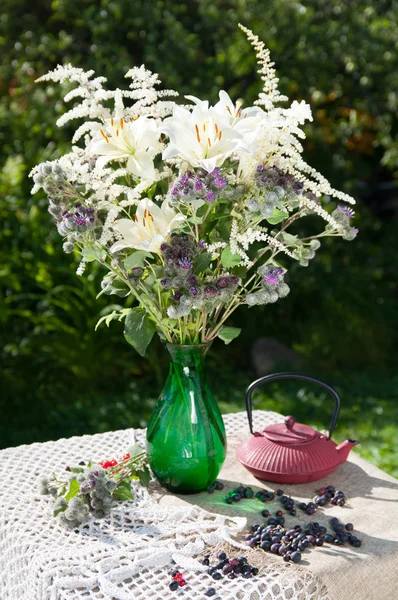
[(275, 377)]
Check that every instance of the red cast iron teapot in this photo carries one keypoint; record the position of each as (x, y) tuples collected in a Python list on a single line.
[(291, 452)]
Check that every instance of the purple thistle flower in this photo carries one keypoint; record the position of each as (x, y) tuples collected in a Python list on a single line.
[(175, 191), (210, 291), (210, 196), (223, 282), (260, 168), (356, 230), (271, 279), (234, 280), (177, 296), (192, 280), (298, 187), (163, 246), (184, 179), (215, 172), (80, 221), (346, 210), (198, 185), (220, 182), (165, 282), (184, 263), (194, 291), (202, 244), (90, 210)]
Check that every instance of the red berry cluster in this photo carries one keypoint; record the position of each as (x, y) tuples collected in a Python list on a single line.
[(177, 581), (106, 464)]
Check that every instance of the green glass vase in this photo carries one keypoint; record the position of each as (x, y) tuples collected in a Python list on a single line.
[(186, 441)]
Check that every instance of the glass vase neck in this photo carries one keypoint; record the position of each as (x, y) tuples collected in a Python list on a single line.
[(188, 355)]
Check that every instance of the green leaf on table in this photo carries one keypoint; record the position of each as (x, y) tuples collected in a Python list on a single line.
[(136, 259), (277, 216), (202, 262), (139, 329), (60, 509), (76, 469), (123, 491), (229, 258), (74, 489), (144, 477), (227, 334)]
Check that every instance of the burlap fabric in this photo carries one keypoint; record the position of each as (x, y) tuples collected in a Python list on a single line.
[(366, 573)]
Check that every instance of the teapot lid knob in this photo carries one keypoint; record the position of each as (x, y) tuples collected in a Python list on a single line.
[(289, 422)]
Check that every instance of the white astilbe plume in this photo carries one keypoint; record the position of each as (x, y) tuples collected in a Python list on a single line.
[(319, 211), (278, 144), (270, 94)]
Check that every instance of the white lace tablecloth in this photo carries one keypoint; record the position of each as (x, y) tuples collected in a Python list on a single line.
[(128, 556)]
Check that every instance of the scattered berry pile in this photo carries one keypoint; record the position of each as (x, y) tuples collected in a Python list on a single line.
[(291, 543), (229, 567), (217, 485), (177, 581), (323, 497), (342, 534)]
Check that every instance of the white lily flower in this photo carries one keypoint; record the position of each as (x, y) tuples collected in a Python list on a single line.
[(149, 229), (203, 137), (245, 120), (136, 140)]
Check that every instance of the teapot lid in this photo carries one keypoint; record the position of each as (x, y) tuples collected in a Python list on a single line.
[(290, 432)]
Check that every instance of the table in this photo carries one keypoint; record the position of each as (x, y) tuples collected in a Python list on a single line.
[(129, 554)]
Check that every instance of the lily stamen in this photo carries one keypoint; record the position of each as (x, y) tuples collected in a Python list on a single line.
[(105, 136), (197, 133)]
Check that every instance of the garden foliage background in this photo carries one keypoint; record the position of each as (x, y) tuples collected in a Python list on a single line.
[(58, 376)]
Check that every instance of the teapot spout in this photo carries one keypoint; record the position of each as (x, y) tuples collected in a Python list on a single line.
[(344, 448)]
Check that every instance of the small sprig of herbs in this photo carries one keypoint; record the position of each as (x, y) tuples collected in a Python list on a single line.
[(91, 489)]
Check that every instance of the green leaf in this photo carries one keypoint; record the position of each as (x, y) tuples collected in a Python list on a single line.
[(114, 285), (76, 470), (60, 509), (202, 262), (91, 254), (74, 489), (123, 491), (229, 258), (144, 477), (136, 259), (227, 334), (196, 220), (151, 191), (288, 238), (277, 216), (139, 329), (115, 314)]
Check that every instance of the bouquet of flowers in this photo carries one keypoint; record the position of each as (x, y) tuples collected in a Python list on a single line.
[(189, 208)]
